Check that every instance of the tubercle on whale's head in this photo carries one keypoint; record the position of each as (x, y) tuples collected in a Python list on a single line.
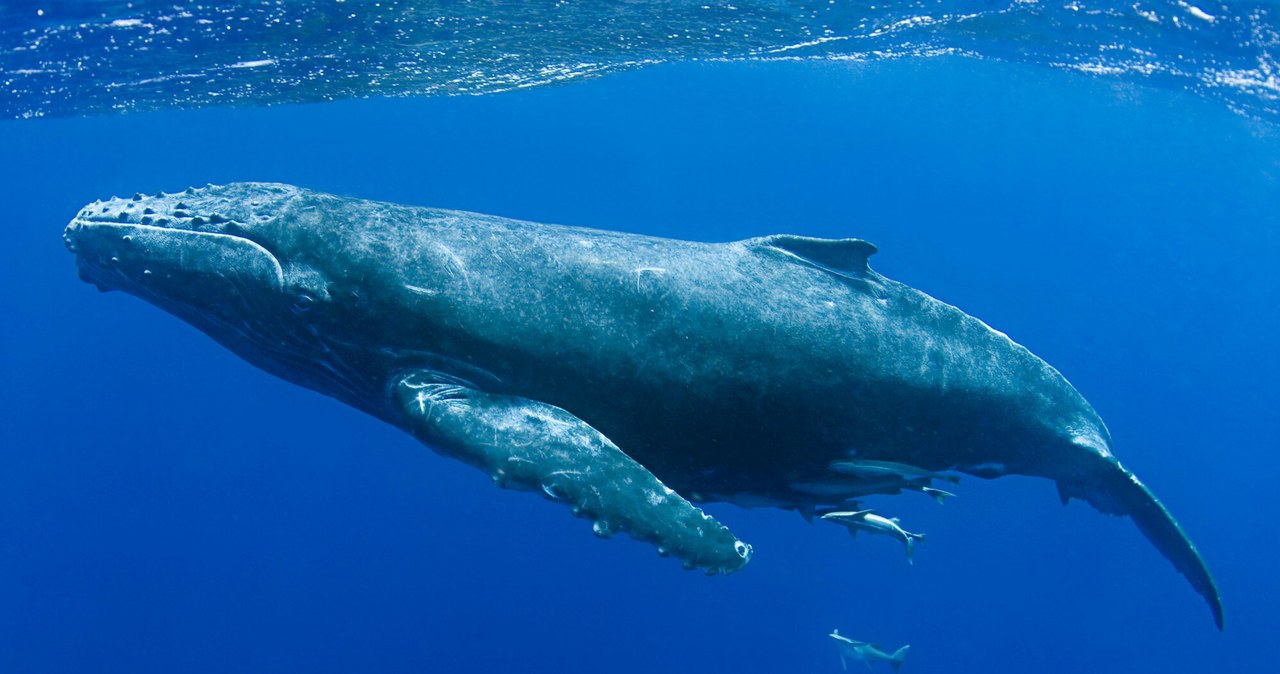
[(245, 263), (326, 247), (175, 250), (234, 209), (184, 242)]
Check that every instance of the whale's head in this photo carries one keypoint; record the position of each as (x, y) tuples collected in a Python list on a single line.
[(253, 266)]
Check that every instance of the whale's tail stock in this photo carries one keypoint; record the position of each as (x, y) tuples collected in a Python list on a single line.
[(1113, 489)]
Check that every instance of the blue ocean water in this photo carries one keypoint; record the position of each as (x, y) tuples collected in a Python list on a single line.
[(166, 507)]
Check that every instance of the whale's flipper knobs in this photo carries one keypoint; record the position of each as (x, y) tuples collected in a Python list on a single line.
[(541, 448)]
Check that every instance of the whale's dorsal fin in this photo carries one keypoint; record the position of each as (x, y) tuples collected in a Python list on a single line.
[(845, 257)]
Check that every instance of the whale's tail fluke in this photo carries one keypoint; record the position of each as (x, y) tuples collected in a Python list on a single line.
[(1113, 489)]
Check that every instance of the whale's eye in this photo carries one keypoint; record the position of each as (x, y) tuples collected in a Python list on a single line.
[(303, 302)]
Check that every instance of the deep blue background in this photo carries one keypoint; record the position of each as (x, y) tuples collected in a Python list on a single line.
[(166, 507)]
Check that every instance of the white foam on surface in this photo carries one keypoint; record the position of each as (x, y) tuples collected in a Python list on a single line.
[(253, 64), (1198, 13)]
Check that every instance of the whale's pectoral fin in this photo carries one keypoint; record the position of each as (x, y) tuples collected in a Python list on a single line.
[(537, 447)]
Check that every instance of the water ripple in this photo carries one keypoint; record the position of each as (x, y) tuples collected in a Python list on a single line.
[(73, 58)]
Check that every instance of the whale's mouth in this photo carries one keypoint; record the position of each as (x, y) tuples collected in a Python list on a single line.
[(155, 261)]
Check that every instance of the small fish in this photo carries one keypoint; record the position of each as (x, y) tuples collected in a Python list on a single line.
[(869, 469), (873, 523), (861, 650), (849, 487), (938, 495)]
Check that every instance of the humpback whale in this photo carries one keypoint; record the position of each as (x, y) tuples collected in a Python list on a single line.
[(627, 377)]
